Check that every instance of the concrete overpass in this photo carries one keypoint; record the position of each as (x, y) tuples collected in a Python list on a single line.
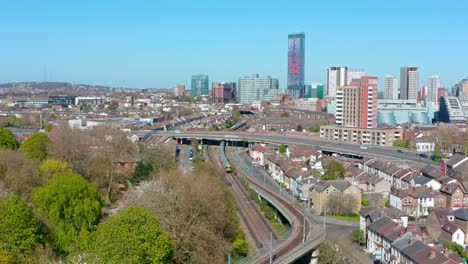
[(387, 153)]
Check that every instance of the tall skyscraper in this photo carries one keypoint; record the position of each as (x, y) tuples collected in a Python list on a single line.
[(256, 88), (432, 85), (223, 92), (390, 87), (199, 85), (336, 76), (354, 74), (296, 53), (356, 104), (409, 83)]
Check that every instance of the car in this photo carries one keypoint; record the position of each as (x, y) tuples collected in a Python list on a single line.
[(177, 131), (400, 151), (364, 147), (423, 155)]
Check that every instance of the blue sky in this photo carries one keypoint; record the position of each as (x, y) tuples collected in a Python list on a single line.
[(158, 44)]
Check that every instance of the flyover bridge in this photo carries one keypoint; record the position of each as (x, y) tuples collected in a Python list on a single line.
[(245, 138)]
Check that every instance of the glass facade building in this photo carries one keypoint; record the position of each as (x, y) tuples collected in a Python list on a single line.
[(199, 85), (296, 54)]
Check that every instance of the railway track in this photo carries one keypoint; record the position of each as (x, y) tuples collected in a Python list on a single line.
[(254, 221), (296, 237)]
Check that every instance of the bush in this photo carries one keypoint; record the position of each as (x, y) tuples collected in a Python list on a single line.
[(365, 202), (387, 203)]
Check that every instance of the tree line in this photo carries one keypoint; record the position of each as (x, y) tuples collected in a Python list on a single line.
[(58, 187)]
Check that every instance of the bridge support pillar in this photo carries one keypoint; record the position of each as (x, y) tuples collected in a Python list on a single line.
[(314, 256)]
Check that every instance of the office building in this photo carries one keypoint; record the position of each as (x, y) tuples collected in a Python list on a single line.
[(432, 85), (296, 53), (336, 76), (354, 74), (62, 99), (199, 85), (409, 83), (223, 92), (451, 110), (255, 88), (179, 90), (356, 104), (441, 92), (390, 87)]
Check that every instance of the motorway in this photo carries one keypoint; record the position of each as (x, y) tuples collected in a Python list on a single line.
[(388, 153)]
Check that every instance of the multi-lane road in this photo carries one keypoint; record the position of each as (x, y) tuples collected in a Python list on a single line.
[(387, 153)]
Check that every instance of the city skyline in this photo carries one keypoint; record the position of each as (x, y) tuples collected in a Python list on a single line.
[(138, 46)]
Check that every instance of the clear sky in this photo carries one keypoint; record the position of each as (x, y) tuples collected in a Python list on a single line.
[(158, 44)]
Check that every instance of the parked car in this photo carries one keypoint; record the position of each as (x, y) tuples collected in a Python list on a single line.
[(400, 151)]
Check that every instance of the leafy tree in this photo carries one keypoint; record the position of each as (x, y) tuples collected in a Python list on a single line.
[(71, 205), (6, 257), (272, 129), (48, 127), (20, 230), (365, 202), (315, 128), (334, 170), (18, 173), (401, 143), (36, 145), (299, 128), (438, 152), (134, 235), (358, 237), (141, 173), (49, 167), (387, 203), (282, 148), (284, 114), (330, 253), (7, 139), (454, 247)]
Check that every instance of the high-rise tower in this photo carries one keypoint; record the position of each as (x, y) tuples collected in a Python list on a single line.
[(409, 81), (296, 53)]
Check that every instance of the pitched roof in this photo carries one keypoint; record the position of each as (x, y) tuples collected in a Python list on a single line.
[(421, 180), (415, 192), (455, 159), (461, 214), (383, 226)]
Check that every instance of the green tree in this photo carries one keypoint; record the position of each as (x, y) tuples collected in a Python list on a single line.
[(48, 127), (358, 237), (49, 167), (299, 128), (284, 114), (134, 235), (36, 145), (315, 128), (7, 139), (334, 170), (401, 143), (141, 173), (72, 206), (387, 203), (282, 148), (438, 151), (6, 257), (365, 202), (20, 230)]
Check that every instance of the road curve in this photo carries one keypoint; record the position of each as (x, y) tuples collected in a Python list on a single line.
[(295, 240)]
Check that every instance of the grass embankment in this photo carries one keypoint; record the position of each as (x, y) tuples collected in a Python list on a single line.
[(268, 211), (350, 217)]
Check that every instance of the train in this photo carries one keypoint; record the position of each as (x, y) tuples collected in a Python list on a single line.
[(227, 166)]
